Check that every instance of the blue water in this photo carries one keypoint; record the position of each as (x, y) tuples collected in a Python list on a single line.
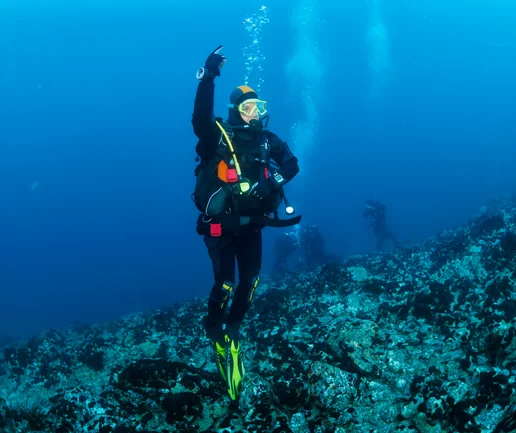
[(409, 102)]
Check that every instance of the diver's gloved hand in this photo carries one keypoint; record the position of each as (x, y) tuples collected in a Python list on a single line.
[(215, 62), (213, 65), (262, 189)]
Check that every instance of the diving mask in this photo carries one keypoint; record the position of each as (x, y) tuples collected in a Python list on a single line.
[(251, 106)]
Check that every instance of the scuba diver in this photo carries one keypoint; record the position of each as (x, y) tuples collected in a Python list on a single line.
[(312, 243), (242, 170), (378, 213), (305, 237), (286, 244)]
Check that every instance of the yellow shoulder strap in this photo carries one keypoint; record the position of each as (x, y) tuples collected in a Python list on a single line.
[(244, 184), (232, 150)]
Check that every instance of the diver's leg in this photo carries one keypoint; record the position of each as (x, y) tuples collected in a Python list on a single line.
[(249, 259), (395, 240), (381, 240), (222, 255)]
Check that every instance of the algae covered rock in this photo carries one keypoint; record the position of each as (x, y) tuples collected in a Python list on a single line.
[(421, 339)]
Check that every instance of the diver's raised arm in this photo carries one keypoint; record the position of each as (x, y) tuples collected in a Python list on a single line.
[(203, 119)]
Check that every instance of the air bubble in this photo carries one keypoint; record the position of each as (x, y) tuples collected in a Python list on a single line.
[(252, 53)]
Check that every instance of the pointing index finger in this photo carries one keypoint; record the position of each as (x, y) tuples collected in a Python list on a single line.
[(218, 49)]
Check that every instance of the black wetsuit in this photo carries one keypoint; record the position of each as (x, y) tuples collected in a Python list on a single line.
[(245, 246)]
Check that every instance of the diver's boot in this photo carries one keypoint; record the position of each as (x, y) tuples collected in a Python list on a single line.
[(234, 367)]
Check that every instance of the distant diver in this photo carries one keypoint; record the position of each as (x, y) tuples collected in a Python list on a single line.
[(377, 211), (286, 244), (312, 243), (305, 238), (242, 170)]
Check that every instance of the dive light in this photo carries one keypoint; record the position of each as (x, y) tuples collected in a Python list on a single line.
[(289, 209)]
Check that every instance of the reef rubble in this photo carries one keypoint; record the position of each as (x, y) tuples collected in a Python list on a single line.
[(420, 339)]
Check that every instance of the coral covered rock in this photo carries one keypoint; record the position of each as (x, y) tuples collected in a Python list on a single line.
[(419, 340)]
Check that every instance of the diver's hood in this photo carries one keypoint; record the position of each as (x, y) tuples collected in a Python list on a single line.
[(234, 118)]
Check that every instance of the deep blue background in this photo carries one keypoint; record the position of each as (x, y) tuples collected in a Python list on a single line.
[(96, 103)]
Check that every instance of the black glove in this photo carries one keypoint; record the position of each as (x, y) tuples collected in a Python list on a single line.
[(214, 63), (262, 189)]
